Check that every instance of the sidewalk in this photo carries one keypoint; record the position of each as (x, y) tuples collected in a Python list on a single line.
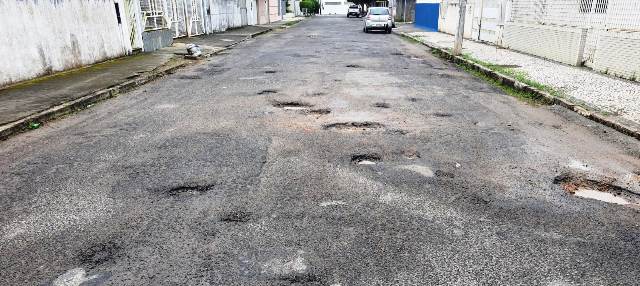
[(43, 99), (615, 98)]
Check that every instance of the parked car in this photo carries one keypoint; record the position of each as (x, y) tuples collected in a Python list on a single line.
[(354, 10), (378, 18)]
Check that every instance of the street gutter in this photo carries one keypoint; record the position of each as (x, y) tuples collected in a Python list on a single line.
[(518, 85)]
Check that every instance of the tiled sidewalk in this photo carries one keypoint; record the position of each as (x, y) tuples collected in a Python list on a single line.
[(617, 97)]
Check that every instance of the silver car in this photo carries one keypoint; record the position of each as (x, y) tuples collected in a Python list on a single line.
[(378, 18)]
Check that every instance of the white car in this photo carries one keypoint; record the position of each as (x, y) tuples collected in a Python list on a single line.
[(354, 10), (378, 18)]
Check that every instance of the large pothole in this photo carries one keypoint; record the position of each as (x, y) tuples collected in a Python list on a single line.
[(354, 125), (602, 190), (292, 105)]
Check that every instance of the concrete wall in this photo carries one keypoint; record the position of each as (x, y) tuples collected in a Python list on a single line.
[(46, 36), (275, 13), (562, 44), (156, 39)]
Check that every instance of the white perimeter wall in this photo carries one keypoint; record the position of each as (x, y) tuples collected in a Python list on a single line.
[(45, 36)]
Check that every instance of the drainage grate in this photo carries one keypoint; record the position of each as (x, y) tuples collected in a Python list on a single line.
[(364, 125)]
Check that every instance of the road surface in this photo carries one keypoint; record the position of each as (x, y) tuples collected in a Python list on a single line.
[(319, 155)]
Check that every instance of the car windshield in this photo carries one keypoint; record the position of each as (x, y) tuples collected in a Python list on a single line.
[(379, 11)]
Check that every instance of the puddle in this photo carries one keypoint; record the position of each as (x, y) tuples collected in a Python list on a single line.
[(422, 170), (364, 125), (366, 159), (381, 105), (267, 91), (603, 190), (291, 105)]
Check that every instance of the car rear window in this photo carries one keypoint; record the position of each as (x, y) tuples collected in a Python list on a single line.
[(379, 11)]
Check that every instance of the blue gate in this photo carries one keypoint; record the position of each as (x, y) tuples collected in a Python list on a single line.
[(427, 13)]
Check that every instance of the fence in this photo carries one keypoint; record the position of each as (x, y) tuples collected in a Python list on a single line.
[(601, 34)]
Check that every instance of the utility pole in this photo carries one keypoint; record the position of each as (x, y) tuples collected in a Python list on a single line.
[(457, 47)]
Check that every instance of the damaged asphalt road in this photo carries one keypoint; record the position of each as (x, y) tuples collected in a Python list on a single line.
[(410, 172)]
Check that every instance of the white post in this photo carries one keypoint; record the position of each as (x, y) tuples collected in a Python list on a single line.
[(457, 47)]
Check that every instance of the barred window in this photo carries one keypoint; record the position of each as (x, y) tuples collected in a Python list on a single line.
[(585, 6), (601, 6)]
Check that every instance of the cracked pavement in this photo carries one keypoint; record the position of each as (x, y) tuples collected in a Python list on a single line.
[(317, 155)]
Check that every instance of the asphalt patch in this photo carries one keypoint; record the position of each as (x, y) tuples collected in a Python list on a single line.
[(236, 216), (364, 125), (267, 91)]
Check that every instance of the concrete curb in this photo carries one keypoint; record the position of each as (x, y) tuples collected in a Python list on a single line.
[(509, 81)]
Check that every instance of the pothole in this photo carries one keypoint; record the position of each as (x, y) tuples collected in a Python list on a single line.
[(397, 54), (444, 174), (188, 190), (192, 77), (381, 105), (354, 66), (413, 99), (270, 71), (363, 125), (598, 190), (366, 159), (236, 216), (442, 114), (319, 111), (411, 154), (397, 132), (267, 91), (291, 105), (99, 254), (317, 93)]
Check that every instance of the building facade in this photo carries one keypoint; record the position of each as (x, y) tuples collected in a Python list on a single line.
[(43, 37)]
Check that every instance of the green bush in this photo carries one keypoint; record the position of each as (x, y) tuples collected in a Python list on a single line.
[(312, 6)]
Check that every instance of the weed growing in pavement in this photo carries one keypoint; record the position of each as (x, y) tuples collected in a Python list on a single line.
[(34, 125), (519, 75)]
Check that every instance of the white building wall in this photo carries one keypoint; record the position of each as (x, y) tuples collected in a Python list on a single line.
[(42, 37), (226, 14), (331, 7)]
